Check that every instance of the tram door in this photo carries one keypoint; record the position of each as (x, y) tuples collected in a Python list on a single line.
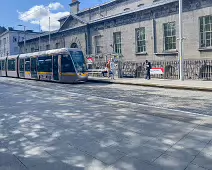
[(34, 68), (55, 68), (21, 68)]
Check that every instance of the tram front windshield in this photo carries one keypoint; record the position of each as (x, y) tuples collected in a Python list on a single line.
[(79, 61)]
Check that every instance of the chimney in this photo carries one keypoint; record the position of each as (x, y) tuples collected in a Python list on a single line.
[(74, 6)]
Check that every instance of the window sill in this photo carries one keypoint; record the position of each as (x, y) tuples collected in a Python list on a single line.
[(205, 49), (142, 53), (171, 52)]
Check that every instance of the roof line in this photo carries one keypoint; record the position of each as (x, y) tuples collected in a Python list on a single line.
[(74, 16), (136, 10)]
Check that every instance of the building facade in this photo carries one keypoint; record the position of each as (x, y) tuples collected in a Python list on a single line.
[(136, 30), (9, 41)]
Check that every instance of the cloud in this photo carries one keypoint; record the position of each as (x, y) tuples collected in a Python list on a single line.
[(40, 14), (55, 6)]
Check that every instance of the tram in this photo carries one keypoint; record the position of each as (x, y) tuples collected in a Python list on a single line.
[(60, 65)]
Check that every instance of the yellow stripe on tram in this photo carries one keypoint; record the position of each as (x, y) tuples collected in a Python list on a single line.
[(27, 72), (68, 74), (84, 74), (43, 73)]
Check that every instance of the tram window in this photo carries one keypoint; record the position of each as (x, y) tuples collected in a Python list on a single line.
[(67, 64), (45, 64), (0, 65), (79, 60), (3, 65), (27, 64), (11, 65), (21, 64), (33, 64)]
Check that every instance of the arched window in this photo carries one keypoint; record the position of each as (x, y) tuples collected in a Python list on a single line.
[(74, 45)]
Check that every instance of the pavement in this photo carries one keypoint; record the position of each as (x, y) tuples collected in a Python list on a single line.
[(50, 126), (159, 83)]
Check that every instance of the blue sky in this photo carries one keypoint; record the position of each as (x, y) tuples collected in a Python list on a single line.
[(10, 16)]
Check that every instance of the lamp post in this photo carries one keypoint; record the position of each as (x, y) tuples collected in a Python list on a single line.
[(181, 58), (24, 36)]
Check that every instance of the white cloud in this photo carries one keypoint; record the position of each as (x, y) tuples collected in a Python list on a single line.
[(55, 6), (40, 14)]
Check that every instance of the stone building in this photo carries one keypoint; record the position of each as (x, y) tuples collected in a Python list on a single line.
[(9, 39), (136, 30)]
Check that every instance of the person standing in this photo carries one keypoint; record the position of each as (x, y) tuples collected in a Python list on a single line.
[(108, 68), (113, 68), (148, 68)]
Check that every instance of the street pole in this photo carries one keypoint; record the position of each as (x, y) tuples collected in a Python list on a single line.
[(39, 37), (49, 29), (24, 51), (49, 33), (181, 41), (24, 39)]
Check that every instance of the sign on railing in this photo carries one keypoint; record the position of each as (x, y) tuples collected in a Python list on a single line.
[(157, 71)]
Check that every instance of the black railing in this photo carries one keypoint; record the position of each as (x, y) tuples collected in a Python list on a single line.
[(193, 69)]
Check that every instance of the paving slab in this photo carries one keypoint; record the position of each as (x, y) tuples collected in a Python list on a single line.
[(203, 160), (74, 157), (194, 167), (145, 153), (13, 164), (167, 162), (201, 133), (129, 163)]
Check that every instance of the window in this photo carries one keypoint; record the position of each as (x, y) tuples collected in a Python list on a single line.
[(0, 65), (27, 64), (11, 65), (67, 64), (4, 41), (14, 39), (79, 61), (117, 42), (21, 64), (140, 40), (97, 41), (57, 45), (45, 64), (47, 47), (126, 9), (32, 49), (3, 65), (206, 31), (169, 36)]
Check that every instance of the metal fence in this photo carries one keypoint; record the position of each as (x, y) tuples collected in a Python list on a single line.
[(193, 69)]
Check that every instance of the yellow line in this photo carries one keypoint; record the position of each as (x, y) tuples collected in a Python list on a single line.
[(42, 73), (84, 75), (68, 74)]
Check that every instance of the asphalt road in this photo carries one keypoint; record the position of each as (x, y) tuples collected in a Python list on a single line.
[(89, 126)]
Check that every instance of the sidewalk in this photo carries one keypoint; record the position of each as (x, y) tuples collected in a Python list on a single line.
[(160, 83)]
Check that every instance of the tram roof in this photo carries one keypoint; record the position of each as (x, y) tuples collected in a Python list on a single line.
[(49, 52), (12, 57), (3, 58)]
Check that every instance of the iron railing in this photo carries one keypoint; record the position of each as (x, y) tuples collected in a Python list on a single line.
[(193, 69)]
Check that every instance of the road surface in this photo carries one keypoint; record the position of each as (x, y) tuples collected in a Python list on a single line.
[(50, 126)]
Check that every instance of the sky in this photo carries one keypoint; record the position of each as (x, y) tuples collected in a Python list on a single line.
[(32, 12)]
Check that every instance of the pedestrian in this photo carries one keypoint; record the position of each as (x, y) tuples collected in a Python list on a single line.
[(113, 68), (108, 68), (148, 68)]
